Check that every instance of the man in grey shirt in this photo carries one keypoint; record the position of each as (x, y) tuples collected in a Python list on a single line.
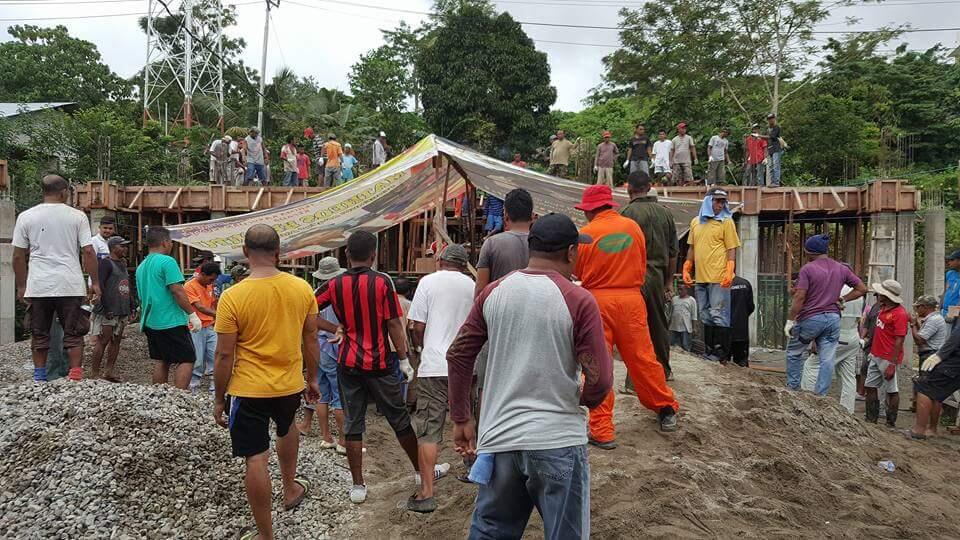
[(256, 165), (683, 156), (531, 442)]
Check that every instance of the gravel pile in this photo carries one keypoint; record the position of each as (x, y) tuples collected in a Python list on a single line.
[(100, 460)]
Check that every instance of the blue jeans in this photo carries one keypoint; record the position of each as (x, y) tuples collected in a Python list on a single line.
[(327, 379), (680, 338), (825, 330), (556, 481), (204, 344), (256, 169), (494, 223), (775, 168), (713, 302), (290, 179)]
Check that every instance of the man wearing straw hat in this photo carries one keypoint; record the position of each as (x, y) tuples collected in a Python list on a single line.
[(886, 352)]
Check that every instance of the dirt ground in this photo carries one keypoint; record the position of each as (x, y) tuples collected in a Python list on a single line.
[(750, 459)]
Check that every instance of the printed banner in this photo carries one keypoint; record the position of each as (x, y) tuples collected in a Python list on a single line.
[(404, 187)]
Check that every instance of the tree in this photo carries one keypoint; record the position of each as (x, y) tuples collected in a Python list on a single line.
[(693, 47), (47, 64), (380, 81), (484, 82)]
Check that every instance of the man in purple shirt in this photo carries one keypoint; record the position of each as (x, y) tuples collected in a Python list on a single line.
[(815, 312)]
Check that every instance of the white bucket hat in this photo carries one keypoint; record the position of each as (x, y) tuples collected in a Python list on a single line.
[(889, 288), (328, 268)]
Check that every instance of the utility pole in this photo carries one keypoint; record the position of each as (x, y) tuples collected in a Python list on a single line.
[(188, 64), (263, 61)]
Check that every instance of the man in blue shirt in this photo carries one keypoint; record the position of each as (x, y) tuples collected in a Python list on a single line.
[(951, 292)]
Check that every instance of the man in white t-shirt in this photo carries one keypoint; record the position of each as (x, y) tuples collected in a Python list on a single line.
[(719, 158), (661, 157), (108, 226), (441, 304), (52, 236)]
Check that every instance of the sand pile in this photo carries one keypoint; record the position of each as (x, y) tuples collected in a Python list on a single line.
[(101, 460)]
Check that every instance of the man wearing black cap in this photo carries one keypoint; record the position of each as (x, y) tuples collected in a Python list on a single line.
[(951, 291), (113, 313), (815, 313), (532, 425)]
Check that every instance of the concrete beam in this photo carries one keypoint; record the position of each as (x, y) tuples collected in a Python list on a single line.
[(748, 261), (8, 289), (934, 250)]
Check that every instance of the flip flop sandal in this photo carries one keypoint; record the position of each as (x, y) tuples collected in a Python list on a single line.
[(111, 378), (296, 502), (465, 478), (246, 533), (908, 433)]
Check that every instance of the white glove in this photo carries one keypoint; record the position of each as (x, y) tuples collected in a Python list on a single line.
[(406, 369), (863, 343), (626, 164), (193, 322), (594, 169), (930, 363), (788, 328)]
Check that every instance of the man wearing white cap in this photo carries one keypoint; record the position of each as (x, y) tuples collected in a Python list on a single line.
[(380, 149), (886, 351)]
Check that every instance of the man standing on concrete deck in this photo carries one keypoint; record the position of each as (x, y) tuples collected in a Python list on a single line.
[(660, 234), (48, 241), (613, 268), (267, 333), (711, 255), (815, 312)]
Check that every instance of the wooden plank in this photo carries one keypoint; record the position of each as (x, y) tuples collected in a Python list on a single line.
[(289, 196), (176, 198), (136, 198), (256, 201)]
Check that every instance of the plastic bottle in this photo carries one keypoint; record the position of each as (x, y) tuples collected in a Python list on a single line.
[(887, 465)]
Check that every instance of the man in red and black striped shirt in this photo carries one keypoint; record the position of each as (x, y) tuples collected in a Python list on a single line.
[(367, 307)]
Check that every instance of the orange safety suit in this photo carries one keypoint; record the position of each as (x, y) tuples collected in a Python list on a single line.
[(613, 268)]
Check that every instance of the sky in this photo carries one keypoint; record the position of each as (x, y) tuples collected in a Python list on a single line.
[(323, 38)]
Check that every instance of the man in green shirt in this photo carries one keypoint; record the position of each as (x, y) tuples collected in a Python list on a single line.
[(165, 311), (660, 233)]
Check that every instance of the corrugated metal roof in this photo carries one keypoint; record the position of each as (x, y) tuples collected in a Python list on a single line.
[(13, 109)]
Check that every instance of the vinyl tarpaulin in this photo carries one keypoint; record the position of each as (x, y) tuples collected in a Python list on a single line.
[(403, 188)]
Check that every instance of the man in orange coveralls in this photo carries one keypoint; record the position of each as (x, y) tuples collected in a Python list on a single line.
[(612, 268)]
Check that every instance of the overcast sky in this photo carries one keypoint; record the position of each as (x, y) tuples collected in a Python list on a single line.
[(323, 38)]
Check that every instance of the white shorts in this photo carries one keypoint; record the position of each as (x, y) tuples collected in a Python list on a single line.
[(875, 378)]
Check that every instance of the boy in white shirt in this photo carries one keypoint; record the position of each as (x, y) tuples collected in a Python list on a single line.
[(661, 158)]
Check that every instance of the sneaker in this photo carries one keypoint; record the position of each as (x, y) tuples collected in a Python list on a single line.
[(606, 445), (668, 419), (439, 471), (422, 506), (328, 445), (358, 494), (342, 450), (861, 397)]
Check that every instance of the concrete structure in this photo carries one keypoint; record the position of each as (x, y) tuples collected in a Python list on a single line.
[(8, 289), (934, 250)]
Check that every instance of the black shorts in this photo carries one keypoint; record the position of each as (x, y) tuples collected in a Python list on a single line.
[(172, 346), (358, 388), (940, 383), (250, 421)]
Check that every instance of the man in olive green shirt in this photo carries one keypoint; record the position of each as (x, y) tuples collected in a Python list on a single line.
[(660, 233), (560, 150)]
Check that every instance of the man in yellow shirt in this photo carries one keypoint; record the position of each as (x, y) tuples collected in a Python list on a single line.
[(332, 175), (267, 331), (713, 247), (560, 150)]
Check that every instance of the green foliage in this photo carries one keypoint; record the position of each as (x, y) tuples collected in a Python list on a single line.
[(619, 115), (484, 82), (47, 64), (379, 81)]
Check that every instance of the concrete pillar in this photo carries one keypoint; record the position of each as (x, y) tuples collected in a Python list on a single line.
[(934, 227), (883, 247), (748, 261), (906, 259), (8, 287)]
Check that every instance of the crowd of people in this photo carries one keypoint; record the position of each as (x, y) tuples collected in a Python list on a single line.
[(246, 161), (523, 410), (671, 161)]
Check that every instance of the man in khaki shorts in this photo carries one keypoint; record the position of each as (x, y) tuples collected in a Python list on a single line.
[(441, 304), (116, 308)]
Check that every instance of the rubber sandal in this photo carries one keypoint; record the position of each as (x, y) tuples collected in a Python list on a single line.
[(605, 445), (246, 533), (908, 433), (421, 506), (465, 478), (296, 502)]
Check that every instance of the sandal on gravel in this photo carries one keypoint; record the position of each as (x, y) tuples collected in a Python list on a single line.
[(246, 533), (908, 433), (296, 502), (421, 506), (465, 478)]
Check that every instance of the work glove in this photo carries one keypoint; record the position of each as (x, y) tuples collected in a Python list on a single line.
[(594, 169), (788, 328), (626, 164), (193, 322), (930, 363), (406, 369), (728, 275), (687, 273)]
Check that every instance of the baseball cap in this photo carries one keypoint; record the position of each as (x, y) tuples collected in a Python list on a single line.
[(239, 271), (771, 115), (456, 254), (116, 241), (718, 193), (927, 300), (554, 232), (682, 125), (607, 134), (382, 134), (953, 256), (596, 196)]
